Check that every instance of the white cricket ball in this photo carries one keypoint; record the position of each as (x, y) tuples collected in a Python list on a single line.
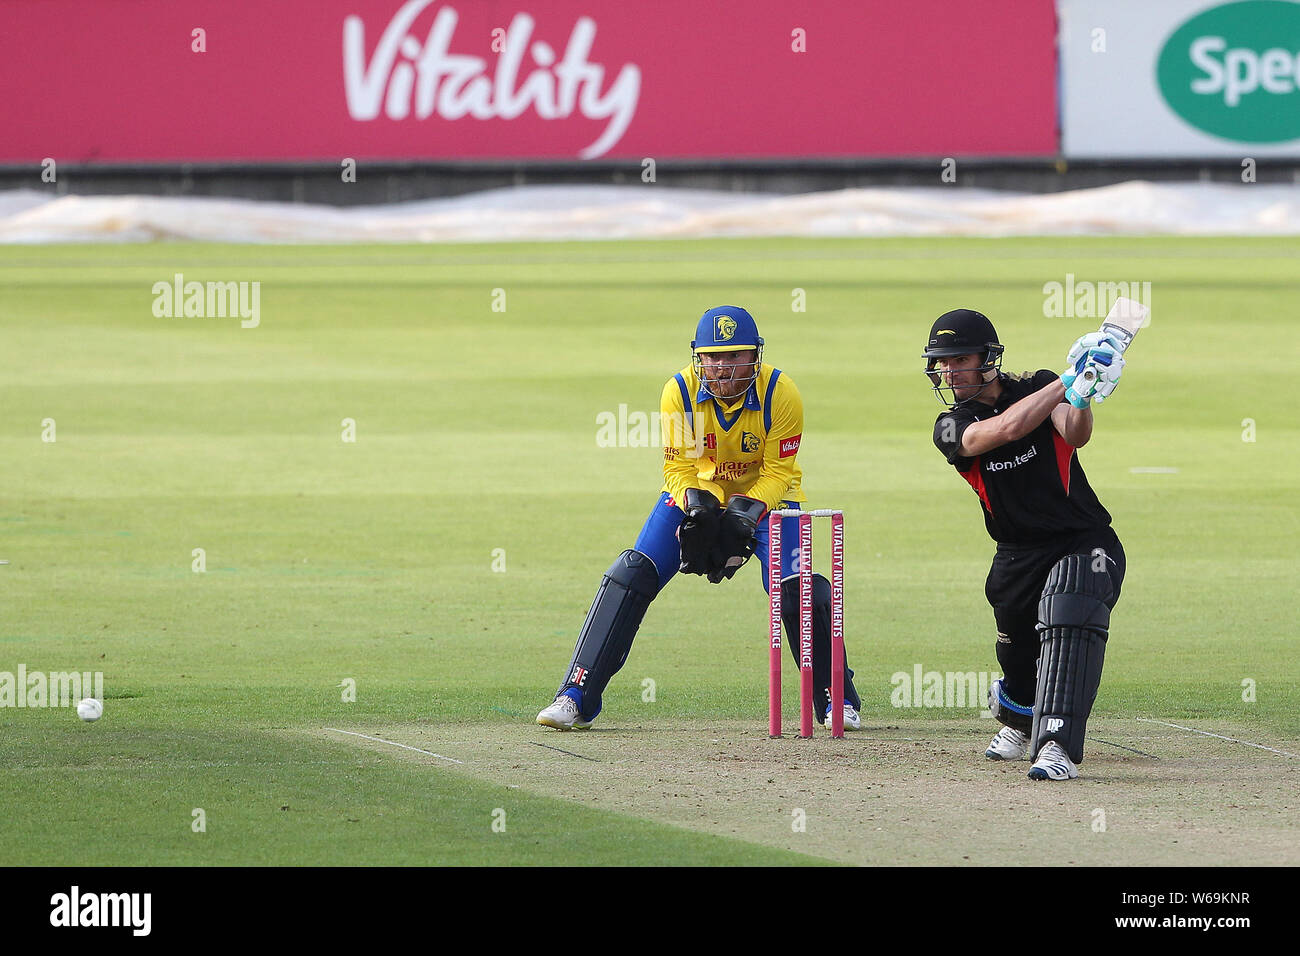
[(90, 709)]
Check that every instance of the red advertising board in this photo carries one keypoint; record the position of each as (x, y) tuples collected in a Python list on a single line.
[(286, 80)]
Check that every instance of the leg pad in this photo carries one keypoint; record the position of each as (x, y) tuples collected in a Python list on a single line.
[(625, 593), (1073, 625)]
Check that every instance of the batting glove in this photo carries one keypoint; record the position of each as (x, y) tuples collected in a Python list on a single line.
[(1101, 351), (1093, 340), (1094, 375), (1109, 367)]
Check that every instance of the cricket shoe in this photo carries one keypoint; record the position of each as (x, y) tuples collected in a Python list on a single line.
[(1053, 764), (852, 719), (1008, 744), (563, 715)]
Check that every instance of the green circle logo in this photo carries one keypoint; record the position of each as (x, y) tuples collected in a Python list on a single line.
[(1234, 71)]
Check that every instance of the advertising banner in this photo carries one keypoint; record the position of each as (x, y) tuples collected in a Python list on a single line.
[(1180, 78), (320, 80)]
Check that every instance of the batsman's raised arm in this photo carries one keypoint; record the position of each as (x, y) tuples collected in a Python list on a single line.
[(1073, 424), (1014, 423)]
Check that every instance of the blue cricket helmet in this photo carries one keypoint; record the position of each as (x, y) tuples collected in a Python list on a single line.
[(727, 328)]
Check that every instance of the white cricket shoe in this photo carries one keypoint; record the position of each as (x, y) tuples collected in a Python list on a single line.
[(852, 719), (1053, 764), (1008, 744), (563, 715)]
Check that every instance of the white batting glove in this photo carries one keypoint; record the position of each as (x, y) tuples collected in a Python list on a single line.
[(1101, 352), (1095, 376), (1107, 373), (1083, 345)]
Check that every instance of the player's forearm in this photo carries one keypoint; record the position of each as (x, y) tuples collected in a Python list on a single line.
[(681, 473), (773, 484), (1028, 413), (680, 454), (1015, 423), (677, 481), (1077, 425)]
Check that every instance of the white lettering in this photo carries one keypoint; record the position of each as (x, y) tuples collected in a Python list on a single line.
[(1013, 463), (132, 910), (1200, 52), (1242, 71), (458, 85)]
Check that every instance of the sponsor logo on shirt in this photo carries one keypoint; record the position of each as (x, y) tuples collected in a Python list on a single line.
[(790, 446), (1013, 463), (730, 470), (711, 440)]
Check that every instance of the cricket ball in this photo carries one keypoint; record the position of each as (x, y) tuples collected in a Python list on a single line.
[(90, 709)]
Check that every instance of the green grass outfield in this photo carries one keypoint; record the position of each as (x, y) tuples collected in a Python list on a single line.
[(476, 431)]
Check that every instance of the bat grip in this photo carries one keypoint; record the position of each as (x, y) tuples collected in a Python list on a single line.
[(1121, 335)]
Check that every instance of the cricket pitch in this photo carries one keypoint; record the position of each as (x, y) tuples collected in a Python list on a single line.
[(903, 793)]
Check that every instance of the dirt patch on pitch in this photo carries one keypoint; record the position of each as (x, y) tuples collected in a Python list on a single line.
[(906, 793)]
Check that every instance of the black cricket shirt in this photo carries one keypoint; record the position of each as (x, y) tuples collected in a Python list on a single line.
[(1032, 489)]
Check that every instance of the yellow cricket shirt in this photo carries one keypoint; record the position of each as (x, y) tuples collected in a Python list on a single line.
[(748, 448)]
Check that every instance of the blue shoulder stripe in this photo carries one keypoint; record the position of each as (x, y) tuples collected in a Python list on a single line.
[(767, 400), (687, 405)]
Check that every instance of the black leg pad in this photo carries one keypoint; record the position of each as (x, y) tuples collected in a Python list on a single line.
[(1073, 625), (625, 592)]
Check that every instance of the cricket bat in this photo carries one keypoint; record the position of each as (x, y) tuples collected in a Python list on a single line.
[(1126, 316), (1122, 323)]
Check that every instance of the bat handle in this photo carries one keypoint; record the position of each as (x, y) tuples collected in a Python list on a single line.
[(1121, 335)]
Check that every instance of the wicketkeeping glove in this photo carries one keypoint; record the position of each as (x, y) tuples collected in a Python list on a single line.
[(736, 537), (698, 534)]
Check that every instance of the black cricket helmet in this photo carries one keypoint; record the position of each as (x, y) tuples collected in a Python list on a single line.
[(962, 332)]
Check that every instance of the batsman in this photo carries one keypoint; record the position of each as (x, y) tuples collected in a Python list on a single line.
[(731, 429), (1058, 567)]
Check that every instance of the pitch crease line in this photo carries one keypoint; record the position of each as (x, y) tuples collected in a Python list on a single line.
[(1122, 747), (569, 752), (394, 743), (1220, 736)]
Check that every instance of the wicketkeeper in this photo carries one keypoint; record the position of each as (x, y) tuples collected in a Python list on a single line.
[(1059, 565), (731, 432)]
